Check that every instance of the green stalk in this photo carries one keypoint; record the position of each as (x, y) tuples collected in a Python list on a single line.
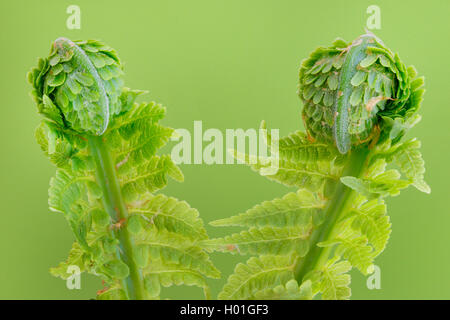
[(338, 205), (115, 206)]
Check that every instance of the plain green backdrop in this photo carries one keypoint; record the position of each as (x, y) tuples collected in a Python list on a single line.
[(230, 64)]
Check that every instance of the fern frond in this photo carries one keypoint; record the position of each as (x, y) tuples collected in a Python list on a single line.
[(139, 117), (169, 214), (70, 195), (352, 247), (76, 257), (136, 136), (370, 220), (264, 241), (173, 248), (150, 176), (289, 291), (300, 162), (105, 147), (334, 280), (296, 147), (162, 274), (385, 184), (359, 101), (256, 275), (309, 175), (409, 159), (294, 209)]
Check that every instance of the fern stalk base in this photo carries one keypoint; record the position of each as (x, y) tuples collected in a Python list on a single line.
[(115, 206), (338, 205)]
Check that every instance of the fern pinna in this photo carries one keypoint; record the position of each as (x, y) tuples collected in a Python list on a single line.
[(359, 101), (104, 146)]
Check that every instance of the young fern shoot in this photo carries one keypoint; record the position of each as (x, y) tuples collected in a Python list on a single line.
[(359, 101), (104, 146)]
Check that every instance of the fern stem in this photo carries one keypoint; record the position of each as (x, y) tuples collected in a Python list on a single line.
[(338, 205), (115, 206)]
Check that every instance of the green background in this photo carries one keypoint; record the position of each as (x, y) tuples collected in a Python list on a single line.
[(231, 64)]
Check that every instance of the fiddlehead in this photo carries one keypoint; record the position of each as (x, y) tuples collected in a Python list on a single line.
[(104, 145), (359, 100), (83, 82), (348, 88)]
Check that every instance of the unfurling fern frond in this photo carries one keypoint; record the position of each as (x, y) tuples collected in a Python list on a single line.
[(104, 145), (359, 101)]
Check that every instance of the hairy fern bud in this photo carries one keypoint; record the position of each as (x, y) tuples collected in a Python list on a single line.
[(359, 100), (78, 85), (104, 145), (351, 91)]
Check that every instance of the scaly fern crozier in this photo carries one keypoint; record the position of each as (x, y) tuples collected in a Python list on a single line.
[(104, 145), (359, 100)]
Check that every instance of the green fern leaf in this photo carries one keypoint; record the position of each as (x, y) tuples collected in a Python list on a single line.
[(257, 274), (76, 257), (335, 282), (149, 177), (352, 247), (162, 274), (171, 248), (408, 157), (136, 136), (138, 117), (264, 241), (289, 291), (296, 147), (170, 214), (370, 220), (294, 209), (385, 184), (309, 175)]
